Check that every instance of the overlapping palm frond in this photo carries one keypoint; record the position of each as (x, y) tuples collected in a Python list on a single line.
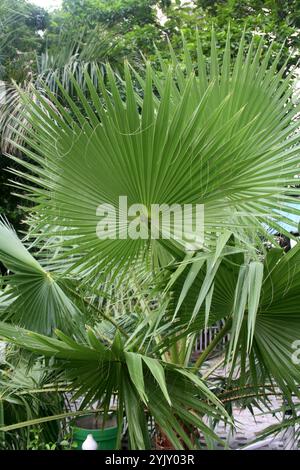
[(259, 302), (11, 109), (287, 428), (175, 397), (88, 52), (274, 330), (24, 396), (73, 56), (277, 325)]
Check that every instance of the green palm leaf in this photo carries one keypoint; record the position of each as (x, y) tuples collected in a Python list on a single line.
[(33, 297), (99, 373), (186, 138), (260, 302)]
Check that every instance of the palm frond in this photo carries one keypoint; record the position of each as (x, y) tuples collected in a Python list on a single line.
[(182, 139), (174, 396), (33, 298)]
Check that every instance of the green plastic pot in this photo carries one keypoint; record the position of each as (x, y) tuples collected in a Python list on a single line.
[(106, 437)]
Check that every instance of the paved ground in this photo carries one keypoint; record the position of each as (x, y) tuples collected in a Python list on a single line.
[(248, 427)]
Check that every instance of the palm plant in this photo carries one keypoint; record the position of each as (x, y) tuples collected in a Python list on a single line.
[(67, 56), (26, 394), (137, 378), (218, 134)]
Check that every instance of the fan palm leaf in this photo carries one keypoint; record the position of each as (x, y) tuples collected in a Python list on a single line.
[(219, 135), (33, 297), (259, 302)]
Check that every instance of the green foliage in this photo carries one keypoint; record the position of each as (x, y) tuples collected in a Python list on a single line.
[(36, 442), (193, 125), (137, 27), (8, 202), (260, 303), (234, 117), (24, 396), (48, 304), (137, 380), (123, 12), (84, 32), (20, 42), (276, 21)]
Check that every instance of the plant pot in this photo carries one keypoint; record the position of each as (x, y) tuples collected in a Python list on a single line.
[(161, 442), (105, 435)]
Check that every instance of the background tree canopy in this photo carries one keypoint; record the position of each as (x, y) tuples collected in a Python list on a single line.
[(20, 37)]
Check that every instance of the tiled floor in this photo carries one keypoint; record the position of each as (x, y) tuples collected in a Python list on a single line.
[(248, 427)]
